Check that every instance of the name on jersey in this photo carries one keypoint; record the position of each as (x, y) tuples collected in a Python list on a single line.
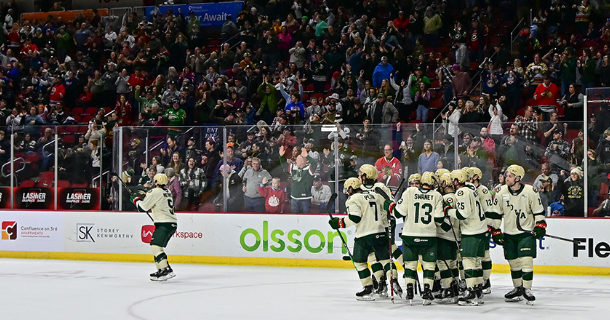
[(423, 197)]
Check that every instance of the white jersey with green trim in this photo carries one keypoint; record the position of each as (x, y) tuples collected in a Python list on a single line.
[(371, 188), (486, 201), (523, 204), (420, 207), (450, 235), (161, 203), (369, 207), (468, 210)]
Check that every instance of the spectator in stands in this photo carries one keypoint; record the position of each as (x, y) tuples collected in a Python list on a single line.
[(174, 187), (252, 179), (230, 184), (528, 124), (573, 103), (302, 174), (428, 160), (546, 96), (275, 196), (536, 72), (511, 147), (572, 190), (567, 69), (320, 194), (422, 100), (511, 81), (558, 151), (169, 148), (382, 71), (553, 124), (460, 83)]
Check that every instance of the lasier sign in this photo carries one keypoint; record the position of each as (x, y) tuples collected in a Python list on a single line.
[(292, 236)]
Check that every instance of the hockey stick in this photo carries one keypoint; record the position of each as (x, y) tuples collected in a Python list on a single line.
[(547, 235), (129, 190), (399, 186), (329, 209)]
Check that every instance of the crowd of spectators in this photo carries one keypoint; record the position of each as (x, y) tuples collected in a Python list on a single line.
[(381, 72)]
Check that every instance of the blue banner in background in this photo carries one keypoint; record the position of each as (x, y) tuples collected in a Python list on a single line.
[(209, 14)]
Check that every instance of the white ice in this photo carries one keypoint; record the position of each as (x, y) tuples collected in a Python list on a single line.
[(53, 289)]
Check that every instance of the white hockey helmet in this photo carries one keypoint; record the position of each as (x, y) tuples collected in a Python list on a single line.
[(161, 179), (517, 170)]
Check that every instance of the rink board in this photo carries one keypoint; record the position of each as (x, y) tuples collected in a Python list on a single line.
[(255, 239)]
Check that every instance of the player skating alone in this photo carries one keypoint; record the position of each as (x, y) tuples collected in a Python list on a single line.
[(473, 227), (365, 211), (368, 177), (422, 211), (486, 201), (447, 247), (159, 201), (518, 203)]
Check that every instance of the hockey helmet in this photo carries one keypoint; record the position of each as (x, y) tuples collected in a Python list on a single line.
[(466, 171), (353, 182), (429, 178), (517, 170), (368, 171), (458, 175), (161, 179), (446, 178), (414, 177), (474, 171), (441, 172)]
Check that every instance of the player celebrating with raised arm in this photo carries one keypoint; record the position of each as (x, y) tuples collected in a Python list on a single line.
[(473, 227), (486, 201), (520, 206), (422, 209), (365, 211), (159, 201), (368, 177)]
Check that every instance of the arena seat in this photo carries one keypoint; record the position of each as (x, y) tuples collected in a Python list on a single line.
[(63, 183), (27, 184)]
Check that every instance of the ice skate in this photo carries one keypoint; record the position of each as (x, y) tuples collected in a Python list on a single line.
[(436, 287), (155, 275), (382, 289), (469, 298), (165, 274), (486, 286), (397, 288), (527, 294), (366, 294), (478, 290), (462, 285), (427, 295), (410, 293), (514, 295)]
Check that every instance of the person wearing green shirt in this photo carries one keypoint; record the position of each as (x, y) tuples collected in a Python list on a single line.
[(175, 116), (567, 70), (147, 101), (270, 98), (63, 43), (321, 26)]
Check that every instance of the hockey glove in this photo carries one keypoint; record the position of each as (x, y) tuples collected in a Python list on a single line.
[(134, 198), (446, 208), (336, 223), (388, 205), (539, 230), (497, 236)]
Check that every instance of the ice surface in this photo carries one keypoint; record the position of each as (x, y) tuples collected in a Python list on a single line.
[(53, 289)]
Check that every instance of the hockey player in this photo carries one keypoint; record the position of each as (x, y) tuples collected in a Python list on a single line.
[(520, 206), (368, 177), (473, 227), (365, 211), (159, 201), (414, 180), (447, 247), (486, 201), (422, 211)]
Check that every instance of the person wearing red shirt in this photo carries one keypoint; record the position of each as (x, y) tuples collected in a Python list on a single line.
[(402, 22), (29, 48), (58, 92), (275, 197), (388, 160), (546, 96), (137, 79)]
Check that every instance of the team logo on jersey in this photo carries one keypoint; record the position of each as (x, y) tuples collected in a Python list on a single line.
[(460, 193)]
